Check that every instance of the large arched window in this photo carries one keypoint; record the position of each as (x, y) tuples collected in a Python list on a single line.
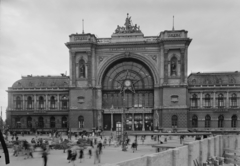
[(29, 122), (18, 122), (40, 122), (207, 121), (174, 121), (81, 122), (207, 101), (18, 102), (29, 103), (134, 78), (194, 121), (52, 122), (64, 102), (234, 121), (233, 100), (220, 101), (220, 121), (194, 101), (82, 69), (173, 66), (64, 122), (41, 102), (52, 103)]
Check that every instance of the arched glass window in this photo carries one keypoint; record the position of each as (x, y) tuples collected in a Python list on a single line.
[(80, 122), (29, 122), (40, 122), (220, 101), (174, 120), (173, 66), (194, 101), (64, 102), (52, 103), (29, 103), (207, 121), (234, 121), (18, 122), (64, 122), (41, 102), (233, 100), (18, 102), (82, 69), (220, 121), (194, 121), (52, 122), (207, 101)]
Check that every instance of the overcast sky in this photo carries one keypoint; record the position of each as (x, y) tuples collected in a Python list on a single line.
[(33, 32)]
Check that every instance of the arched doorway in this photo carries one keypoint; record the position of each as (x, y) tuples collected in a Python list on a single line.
[(40, 122), (29, 122), (81, 122), (52, 122), (128, 84)]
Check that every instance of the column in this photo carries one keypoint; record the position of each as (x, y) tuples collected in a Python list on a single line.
[(214, 99), (35, 102), (23, 102), (201, 103), (166, 66), (111, 121), (58, 102), (143, 121), (227, 100), (46, 102), (132, 121)]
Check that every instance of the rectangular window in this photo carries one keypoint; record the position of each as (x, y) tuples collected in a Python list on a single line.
[(174, 99)]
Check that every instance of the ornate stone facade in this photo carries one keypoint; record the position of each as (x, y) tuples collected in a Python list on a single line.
[(143, 76)]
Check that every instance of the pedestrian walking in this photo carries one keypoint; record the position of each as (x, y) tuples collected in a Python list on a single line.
[(81, 154), (100, 147), (134, 147), (44, 156), (69, 157), (74, 156), (90, 152), (96, 155), (109, 141)]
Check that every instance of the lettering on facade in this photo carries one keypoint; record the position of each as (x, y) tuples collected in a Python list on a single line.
[(124, 49), (174, 35), (39, 112), (80, 38)]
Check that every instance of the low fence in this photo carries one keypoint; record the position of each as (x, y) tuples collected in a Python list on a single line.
[(193, 152)]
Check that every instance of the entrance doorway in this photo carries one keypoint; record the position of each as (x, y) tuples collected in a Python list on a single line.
[(116, 118)]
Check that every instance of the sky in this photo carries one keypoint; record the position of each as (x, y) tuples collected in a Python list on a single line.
[(33, 33)]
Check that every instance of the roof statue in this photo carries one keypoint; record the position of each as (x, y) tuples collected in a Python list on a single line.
[(129, 27)]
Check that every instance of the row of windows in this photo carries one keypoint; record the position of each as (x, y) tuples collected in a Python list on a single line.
[(41, 103), (208, 101), (208, 121), (40, 122)]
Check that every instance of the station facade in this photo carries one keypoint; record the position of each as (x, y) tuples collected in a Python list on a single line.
[(142, 80)]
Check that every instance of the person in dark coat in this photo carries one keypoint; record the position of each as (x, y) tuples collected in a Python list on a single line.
[(81, 155), (44, 156), (100, 147), (69, 157)]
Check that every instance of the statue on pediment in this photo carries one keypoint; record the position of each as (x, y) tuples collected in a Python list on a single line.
[(129, 27)]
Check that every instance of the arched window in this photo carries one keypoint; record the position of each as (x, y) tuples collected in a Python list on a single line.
[(220, 101), (52, 122), (18, 102), (29, 122), (82, 69), (234, 121), (41, 102), (64, 122), (194, 101), (80, 122), (207, 101), (207, 121), (220, 121), (52, 103), (194, 121), (29, 103), (174, 120), (64, 102), (174, 66), (18, 122), (233, 100), (40, 122)]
